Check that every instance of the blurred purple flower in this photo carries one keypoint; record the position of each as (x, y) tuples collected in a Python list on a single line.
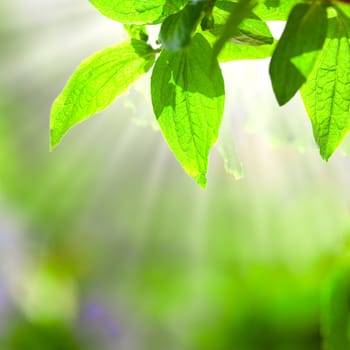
[(97, 316)]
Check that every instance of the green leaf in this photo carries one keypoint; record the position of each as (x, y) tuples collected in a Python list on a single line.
[(241, 11), (207, 22), (335, 314), (96, 83), (342, 7), (298, 49), (256, 31), (176, 31), (228, 152), (271, 10), (326, 93), (138, 32), (275, 10), (252, 30), (234, 52), (188, 100), (138, 11)]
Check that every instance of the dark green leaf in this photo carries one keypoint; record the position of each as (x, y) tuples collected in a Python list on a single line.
[(248, 37), (208, 22), (96, 83), (188, 101), (298, 49), (177, 29)]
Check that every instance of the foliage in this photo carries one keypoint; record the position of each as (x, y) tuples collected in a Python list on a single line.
[(335, 316), (187, 87)]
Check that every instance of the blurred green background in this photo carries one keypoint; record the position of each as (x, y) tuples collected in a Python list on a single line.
[(106, 243)]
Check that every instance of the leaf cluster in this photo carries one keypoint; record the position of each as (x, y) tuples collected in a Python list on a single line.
[(187, 87)]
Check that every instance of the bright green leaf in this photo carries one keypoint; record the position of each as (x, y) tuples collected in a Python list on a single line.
[(271, 10), (96, 83), (275, 10), (138, 11), (253, 32), (234, 52), (138, 32), (253, 26), (297, 50), (343, 7), (326, 93), (188, 101), (177, 29), (241, 11)]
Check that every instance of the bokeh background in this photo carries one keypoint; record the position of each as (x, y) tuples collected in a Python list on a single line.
[(106, 243)]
